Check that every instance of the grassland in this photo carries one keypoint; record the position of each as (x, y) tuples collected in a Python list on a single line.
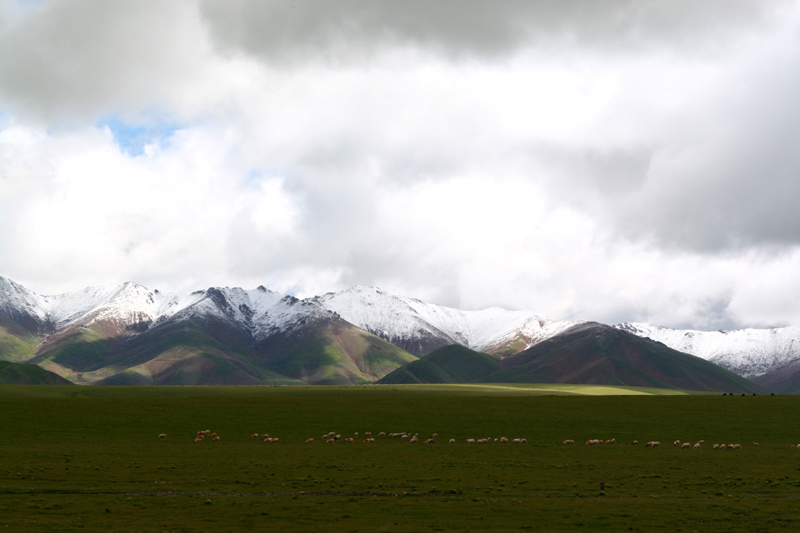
[(88, 458)]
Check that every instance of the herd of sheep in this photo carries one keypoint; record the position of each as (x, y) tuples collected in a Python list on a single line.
[(332, 437)]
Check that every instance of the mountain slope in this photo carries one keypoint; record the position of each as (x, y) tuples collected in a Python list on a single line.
[(593, 353), (747, 352), (23, 374), (420, 328), (449, 364), (318, 347)]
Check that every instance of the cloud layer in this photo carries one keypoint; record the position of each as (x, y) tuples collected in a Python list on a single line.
[(613, 161)]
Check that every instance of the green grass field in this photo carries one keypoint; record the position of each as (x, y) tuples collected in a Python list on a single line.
[(88, 458)]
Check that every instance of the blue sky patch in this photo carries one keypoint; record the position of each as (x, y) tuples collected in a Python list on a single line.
[(132, 138)]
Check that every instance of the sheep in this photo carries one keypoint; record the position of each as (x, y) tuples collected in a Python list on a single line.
[(348, 439), (254, 435), (414, 439), (634, 443), (369, 434), (162, 436), (198, 439), (452, 441), (430, 441), (715, 447), (483, 441), (611, 441), (523, 441), (215, 439), (755, 444), (697, 446), (569, 441), (310, 440), (677, 443), (470, 441), (653, 444), (686, 445), (503, 440), (329, 441), (369, 440), (382, 434)]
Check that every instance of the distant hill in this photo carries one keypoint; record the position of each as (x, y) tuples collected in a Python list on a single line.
[(449, 364), (23, 374), (593, 353), (782, 380)]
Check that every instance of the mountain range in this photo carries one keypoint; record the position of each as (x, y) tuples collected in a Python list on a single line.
[(129, 334)]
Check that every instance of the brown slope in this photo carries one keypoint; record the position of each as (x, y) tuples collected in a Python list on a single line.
[(783, 380), (593, 353)]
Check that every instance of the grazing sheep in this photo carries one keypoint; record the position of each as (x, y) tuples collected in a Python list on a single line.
[(356, 434), (470, 441), (715, 447), (736, 446), (382, 434), (452, 441), (483, 441), (163, 436), (369, 433), (634, 443), (677, 443), (697, 446), (755, 444), (414, 439), (348, 439), (310, 441), (254, 435), (215, 439), (523, 441), (569, 441), (653, 444), (198, 439), (369, 440), (430, 441), (329, 441), (686, 445), (503, 440)]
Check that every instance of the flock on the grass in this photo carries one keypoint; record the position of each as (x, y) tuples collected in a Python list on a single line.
[(333, 437)]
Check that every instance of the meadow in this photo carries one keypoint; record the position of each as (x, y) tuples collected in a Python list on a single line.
[(89, 458)]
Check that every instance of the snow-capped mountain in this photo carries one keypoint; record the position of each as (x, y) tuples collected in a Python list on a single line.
[(129, 328), (421, 327), (747, 352)]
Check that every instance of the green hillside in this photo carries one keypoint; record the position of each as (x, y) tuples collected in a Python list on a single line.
[(598, 354), (449, 364), (25, 374), (332, 353)]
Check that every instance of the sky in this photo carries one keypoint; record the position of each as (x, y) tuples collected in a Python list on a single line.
[(624, 160)]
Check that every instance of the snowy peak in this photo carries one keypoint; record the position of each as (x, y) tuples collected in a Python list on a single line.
[(747, 352), (289, 314), (420, 327), (22, 305), (126, 303)]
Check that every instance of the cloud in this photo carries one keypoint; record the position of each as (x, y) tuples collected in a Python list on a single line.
[(616, 161)]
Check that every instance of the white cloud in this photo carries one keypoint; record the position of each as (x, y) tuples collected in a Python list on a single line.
[(617, 161)]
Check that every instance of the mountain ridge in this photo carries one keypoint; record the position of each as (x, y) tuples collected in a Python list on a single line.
[(106, 321)]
